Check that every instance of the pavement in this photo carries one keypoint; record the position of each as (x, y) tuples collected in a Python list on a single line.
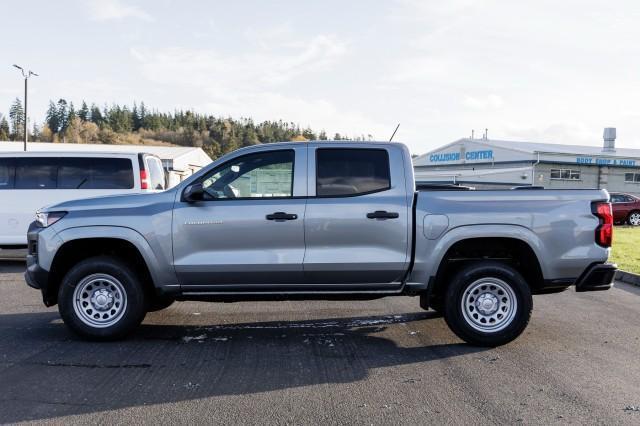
[(366, 362)]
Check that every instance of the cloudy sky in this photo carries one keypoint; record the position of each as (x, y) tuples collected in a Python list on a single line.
[(544, 70)]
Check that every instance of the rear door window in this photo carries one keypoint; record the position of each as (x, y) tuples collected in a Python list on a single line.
[(7, 172), (347, 172), (36, 173)]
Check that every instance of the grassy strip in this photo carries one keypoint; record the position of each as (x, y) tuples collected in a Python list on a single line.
[(626, 248)]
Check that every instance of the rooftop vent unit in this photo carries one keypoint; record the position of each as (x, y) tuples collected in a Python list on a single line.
[(609, 139)]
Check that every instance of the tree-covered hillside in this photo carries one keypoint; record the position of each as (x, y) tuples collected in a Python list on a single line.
[(137, 124)]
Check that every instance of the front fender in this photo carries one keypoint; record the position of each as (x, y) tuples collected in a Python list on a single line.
[(161, 270)]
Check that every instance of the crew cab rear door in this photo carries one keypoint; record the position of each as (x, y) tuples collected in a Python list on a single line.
[(357, 221)]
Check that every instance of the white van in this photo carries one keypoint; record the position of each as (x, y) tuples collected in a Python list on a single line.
[(31, 180)]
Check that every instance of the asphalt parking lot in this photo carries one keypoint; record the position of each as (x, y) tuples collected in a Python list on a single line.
[(375, 362)]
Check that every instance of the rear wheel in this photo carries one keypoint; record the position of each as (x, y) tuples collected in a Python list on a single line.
[(634, 218), (488, 304), (101, 298)]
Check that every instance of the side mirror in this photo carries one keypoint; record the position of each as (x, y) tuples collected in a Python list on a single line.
[(193, 193)]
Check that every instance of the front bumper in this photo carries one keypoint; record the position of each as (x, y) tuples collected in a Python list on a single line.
[(36, 276), (597, 277)]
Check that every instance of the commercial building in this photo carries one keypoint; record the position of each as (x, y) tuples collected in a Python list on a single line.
[(492, 164), (179, 162)]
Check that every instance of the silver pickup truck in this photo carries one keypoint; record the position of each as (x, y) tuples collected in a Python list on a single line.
[(319, 220)]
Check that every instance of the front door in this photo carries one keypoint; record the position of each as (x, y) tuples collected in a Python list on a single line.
[(249, 229), (357, 221)]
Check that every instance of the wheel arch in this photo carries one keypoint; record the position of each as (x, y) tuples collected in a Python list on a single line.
[(122, 243), (511, 251), (507, 243)]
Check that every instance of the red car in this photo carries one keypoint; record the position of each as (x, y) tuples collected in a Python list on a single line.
[(626, 208)]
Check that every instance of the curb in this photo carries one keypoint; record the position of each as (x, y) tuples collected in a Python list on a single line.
[(628, 277)]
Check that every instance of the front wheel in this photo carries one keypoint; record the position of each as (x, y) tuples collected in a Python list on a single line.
[(634, 219), (488, 304), (101, 298)]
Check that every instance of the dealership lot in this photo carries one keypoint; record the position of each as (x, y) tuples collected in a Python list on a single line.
[(370, 362)]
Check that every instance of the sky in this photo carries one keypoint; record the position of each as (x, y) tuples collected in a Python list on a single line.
[(546, 71)]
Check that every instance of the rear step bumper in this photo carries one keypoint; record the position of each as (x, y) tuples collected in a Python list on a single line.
[(597, 277)]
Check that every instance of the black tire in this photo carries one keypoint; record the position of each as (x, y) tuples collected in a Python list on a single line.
[(437, 306), (96, 274), (487, 280), (159, 303)]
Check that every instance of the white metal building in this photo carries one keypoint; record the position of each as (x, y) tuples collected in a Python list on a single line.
[(487, 163), (179, 162)]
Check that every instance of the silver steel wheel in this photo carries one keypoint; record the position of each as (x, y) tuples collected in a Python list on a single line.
[(489, 305), (634, 219), (99, 300)]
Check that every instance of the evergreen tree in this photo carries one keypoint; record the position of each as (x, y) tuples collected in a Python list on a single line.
[(309, 134), (124, 124), (62, 114), (135, 116), (83, 114), (250, 137), (4, 128), (35, 132), (142, 113), (52, 119), (71, 114), (16, 118), (96, 115)]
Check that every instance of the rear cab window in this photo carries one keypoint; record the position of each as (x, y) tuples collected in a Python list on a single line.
[(344, 172)]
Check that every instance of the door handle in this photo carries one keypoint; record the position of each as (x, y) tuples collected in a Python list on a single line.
[(381, 214), (280, 216)]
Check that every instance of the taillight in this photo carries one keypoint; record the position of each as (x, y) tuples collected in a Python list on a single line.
[(604, 231), (144, 179)]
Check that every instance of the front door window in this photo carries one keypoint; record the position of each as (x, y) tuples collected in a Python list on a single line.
[(253, 176)]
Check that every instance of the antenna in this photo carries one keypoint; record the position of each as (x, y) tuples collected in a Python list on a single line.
[(394, 132)]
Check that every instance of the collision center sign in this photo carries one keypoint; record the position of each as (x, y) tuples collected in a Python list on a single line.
[(486, 154)]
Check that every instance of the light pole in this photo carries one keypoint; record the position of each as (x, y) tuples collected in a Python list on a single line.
[(26, 75)]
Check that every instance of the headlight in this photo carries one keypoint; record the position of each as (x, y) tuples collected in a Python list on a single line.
[(45, 219)]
